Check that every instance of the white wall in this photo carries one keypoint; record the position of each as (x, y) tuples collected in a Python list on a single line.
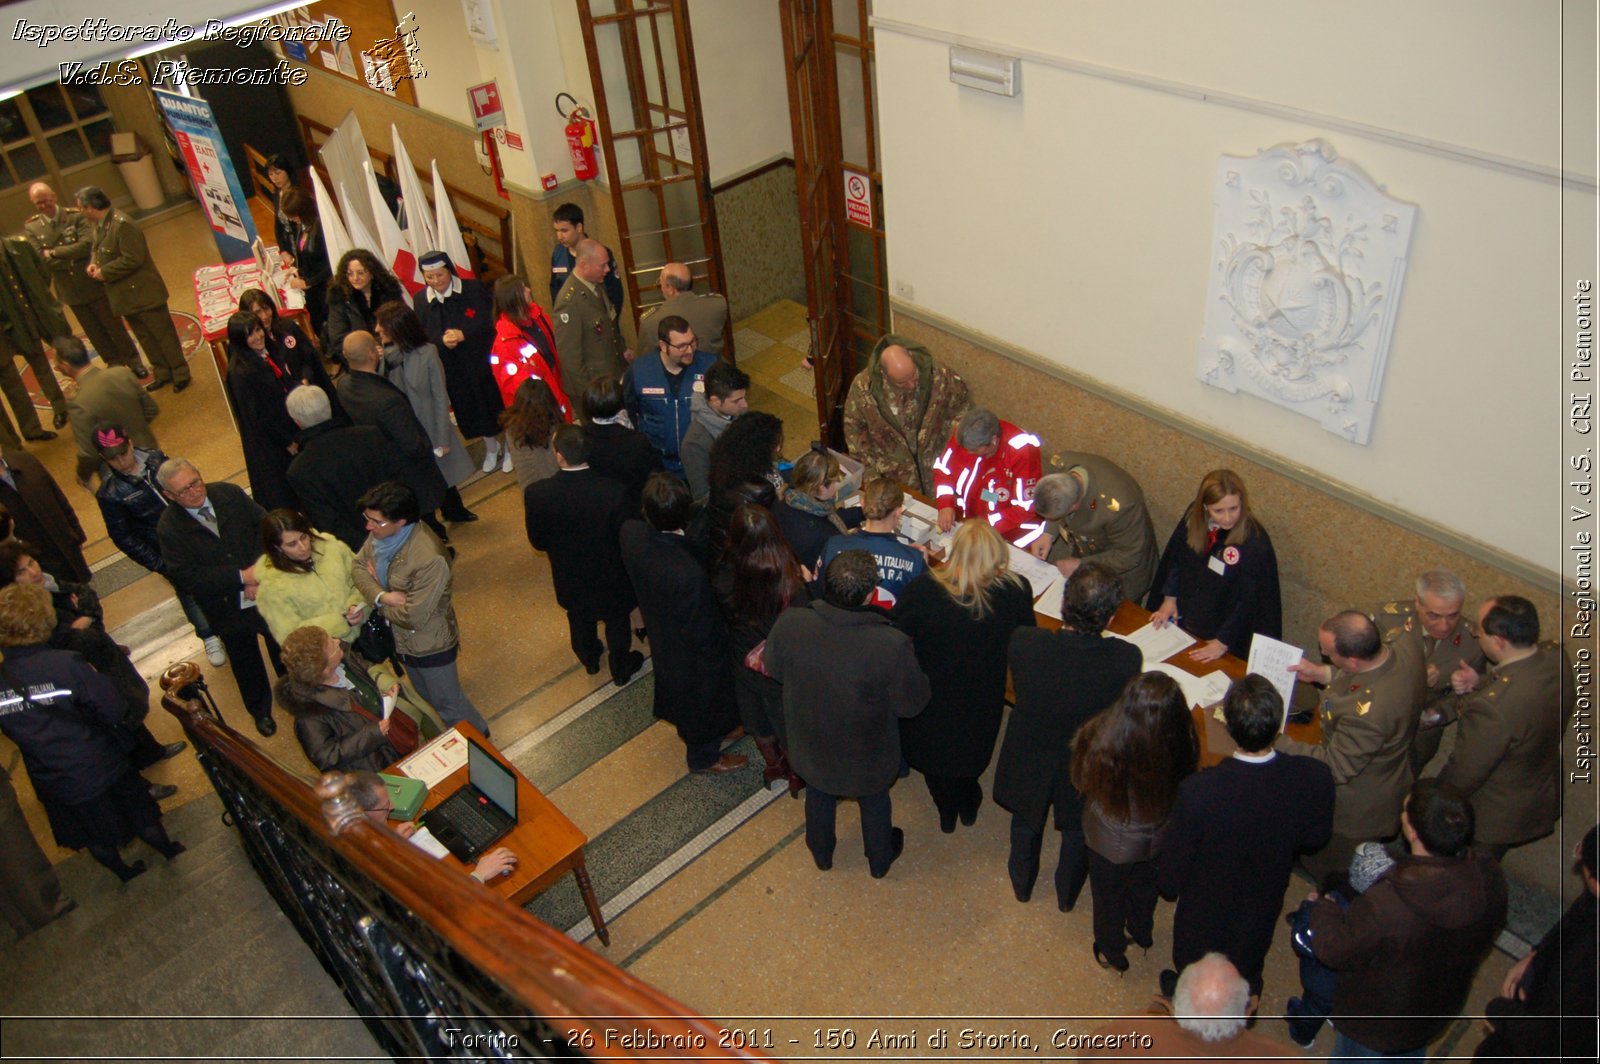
[(1091, 200), (738, 53)]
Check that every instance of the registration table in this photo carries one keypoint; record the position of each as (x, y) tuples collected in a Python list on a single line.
[(546, 843)]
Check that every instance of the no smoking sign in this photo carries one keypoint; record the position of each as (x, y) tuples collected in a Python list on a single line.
[(857, 199)]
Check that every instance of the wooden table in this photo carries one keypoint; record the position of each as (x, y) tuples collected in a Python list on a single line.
[(546, 843)]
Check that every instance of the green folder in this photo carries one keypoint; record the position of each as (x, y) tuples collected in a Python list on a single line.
[(405, 794)]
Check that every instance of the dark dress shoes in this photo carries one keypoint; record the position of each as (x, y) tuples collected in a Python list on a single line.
[(897, 846), (40, 436), (162, 791), (179, 386), (173, 749), (725, 763), (156, 386), (60, 419), (266, 726), (634, 663)]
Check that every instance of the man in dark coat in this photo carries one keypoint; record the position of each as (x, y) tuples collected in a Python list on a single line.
[(459, 318), (574, 517), (210, 541), (1234, 834), (370, 399), (689, 644), (336, 465), (848, 677), (1061, 679), (43, 516), (1407, 949)]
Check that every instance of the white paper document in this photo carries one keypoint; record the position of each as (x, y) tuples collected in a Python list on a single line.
[(434, 762), (1272, 659), (423, 840), (1040, 573), (1202, 691), (1158, 644)]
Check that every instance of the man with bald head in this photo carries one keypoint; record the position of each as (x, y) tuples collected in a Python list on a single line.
[(587, 338), (901, 410), (62, 236), (708, 313), (1370, 694)]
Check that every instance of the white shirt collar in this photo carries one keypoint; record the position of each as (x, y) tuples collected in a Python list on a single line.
[(1255, 759), (455, 290)]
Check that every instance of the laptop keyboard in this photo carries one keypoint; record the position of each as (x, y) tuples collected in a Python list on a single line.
[(470, 823)]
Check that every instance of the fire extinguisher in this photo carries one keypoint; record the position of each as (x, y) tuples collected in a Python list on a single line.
[(580, 140)]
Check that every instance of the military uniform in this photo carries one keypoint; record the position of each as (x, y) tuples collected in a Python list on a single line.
[(897, 434), (1438, 705), (1110, 526), (588, 342), (29, 315), (135, 290), (706, 314), (1368, 719), (67, 238), (1507, 757)]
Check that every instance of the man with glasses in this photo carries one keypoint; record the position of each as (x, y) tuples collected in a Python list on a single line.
[(210, 540), (658, 392)]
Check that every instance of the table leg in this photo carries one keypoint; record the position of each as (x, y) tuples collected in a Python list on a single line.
[(580, 872)]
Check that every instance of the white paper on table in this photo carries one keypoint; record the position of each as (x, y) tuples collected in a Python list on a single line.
[(1201, 691), (423, 840), (434, 763), (1272, 658), (1048, 601), (1038, 571), (1158, 644)]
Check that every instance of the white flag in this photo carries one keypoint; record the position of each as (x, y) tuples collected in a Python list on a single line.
[(447, 230), (396, 254), (335, 237), (419, 216)]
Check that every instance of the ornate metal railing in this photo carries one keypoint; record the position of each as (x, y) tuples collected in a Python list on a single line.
[(437, 965)]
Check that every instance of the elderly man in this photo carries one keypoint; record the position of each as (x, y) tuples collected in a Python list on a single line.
[(989, 470), (848, 677), (901, 409), (372, 795), (587, 337), (101, 395), (659, 392), (336, 463), (727, 395), (403, 571), (210, 540), (1211, 1009), (1433, 619), (1507, 757), (1096, 513), (1368, 719), (708, 314), (63, 235), (120, 260)]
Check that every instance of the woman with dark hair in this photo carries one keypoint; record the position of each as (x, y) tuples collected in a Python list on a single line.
[(529, 421), (412, 365), (1218, 577), (960, 617), (809, 511), (359, 286), (757, 579), (312, 271), (303, 578), (524, 342), (67, 720), (1128, 761), (257, 385), (279, 175), (743, 457), (617, 450), (290, 346)]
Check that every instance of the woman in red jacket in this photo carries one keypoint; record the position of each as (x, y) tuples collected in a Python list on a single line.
[(524, 344)]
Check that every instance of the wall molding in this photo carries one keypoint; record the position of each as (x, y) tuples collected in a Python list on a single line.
[(1522, 569), (1455, 152), (750, 173)]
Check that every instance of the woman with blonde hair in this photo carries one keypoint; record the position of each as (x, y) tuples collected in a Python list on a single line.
[(960, 617), (1218, 577), (304, 578), (1128, 761), (808, 509)]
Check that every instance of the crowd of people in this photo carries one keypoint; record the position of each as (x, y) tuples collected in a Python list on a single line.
[(775, 609)]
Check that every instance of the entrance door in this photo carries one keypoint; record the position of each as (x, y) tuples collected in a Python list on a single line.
[(641, 62), (833, 111)]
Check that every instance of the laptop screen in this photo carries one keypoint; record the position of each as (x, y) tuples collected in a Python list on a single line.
[(492, 778)]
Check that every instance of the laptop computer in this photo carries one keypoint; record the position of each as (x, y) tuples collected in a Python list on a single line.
[(480, 814)]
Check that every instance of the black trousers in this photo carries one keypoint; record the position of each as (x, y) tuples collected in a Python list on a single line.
[(1072, 866), (619, 640), (1124, 898), (239, 631), (954, 796), (877, 828)]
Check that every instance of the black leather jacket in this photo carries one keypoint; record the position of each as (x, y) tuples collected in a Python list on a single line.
[(131, 506)]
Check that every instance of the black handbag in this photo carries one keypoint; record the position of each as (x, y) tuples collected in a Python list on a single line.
[(375, 642)]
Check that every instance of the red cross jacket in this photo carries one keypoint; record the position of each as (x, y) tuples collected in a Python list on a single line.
[(998, 489), (518, 354)]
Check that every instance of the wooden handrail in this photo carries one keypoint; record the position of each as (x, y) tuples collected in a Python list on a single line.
[(543, 978)]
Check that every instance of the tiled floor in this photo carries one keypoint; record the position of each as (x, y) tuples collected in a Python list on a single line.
[(750, 929)]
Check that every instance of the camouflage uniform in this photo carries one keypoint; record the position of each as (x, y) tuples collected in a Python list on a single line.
[(1438, 705), (1110, 526), (897, 434)]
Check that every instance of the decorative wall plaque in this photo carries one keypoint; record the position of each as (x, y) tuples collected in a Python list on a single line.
[(1310, 256)]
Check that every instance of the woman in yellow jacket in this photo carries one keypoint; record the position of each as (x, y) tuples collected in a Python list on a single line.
[(304, 579)]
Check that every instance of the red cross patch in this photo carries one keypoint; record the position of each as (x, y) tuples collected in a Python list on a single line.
[(1230, 555), (472, 312)]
